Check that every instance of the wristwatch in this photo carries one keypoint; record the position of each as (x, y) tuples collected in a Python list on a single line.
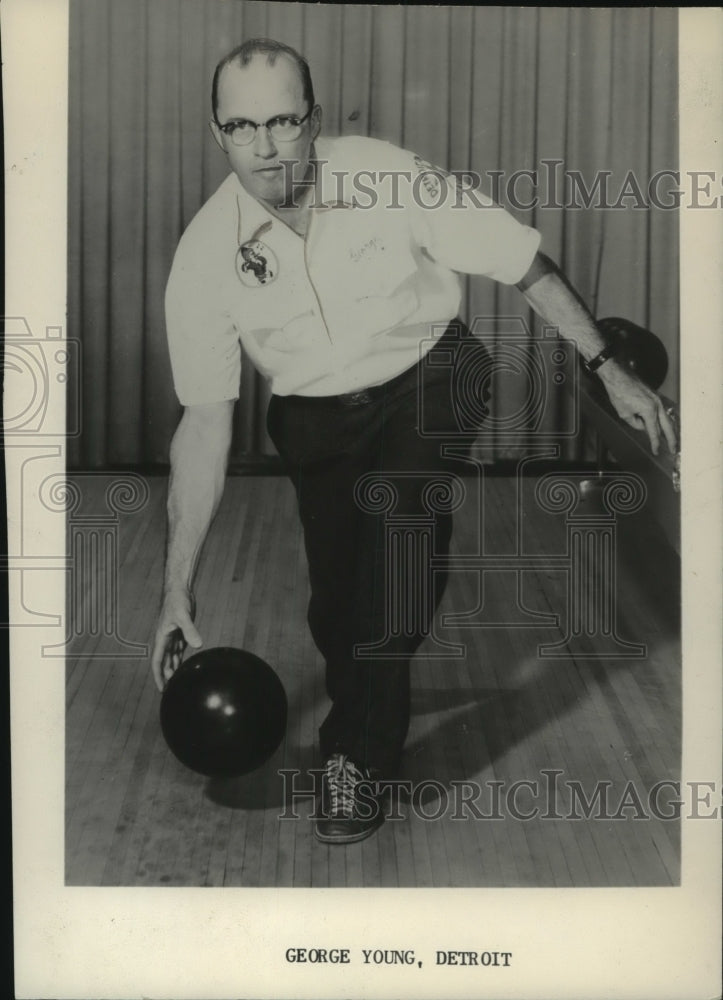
[(593, 364)]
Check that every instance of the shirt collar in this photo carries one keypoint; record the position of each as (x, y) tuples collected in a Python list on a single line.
[(253, 220), (332, 189)]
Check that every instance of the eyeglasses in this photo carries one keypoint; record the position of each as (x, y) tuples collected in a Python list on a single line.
[(281, 128)]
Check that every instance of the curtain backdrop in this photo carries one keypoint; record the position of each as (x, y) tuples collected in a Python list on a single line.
[(485, 89)]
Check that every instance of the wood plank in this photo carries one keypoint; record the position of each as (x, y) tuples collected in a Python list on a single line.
[(631, 448), (421, 761), (95, 783), (136, 817)]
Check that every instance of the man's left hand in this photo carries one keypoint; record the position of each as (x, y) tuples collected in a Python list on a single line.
[(638, 405)]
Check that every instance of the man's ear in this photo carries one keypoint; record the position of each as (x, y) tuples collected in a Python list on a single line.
[(218, 135), (315, 121)]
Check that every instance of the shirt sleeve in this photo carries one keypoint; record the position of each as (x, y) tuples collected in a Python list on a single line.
[(203, 341), (463, 229)]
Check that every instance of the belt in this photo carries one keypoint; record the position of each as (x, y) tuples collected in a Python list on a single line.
[(362, 397)]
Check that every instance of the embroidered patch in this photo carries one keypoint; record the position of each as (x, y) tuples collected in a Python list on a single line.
[(256, 264)]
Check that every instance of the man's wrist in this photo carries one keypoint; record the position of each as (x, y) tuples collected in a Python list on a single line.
[(171, 588), (592, 365), (612, 372)]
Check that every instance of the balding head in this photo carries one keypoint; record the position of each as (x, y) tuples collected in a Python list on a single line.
[(271, 50)]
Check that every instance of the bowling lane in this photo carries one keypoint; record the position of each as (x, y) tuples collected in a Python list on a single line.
[(498, 716)]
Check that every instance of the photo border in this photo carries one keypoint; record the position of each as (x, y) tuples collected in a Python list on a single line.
[(91, 942)]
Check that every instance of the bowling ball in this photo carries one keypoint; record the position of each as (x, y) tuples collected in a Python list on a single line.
[(223, 712), (637, 349)]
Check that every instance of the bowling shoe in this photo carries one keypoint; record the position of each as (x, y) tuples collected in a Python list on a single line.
[(350, 807)]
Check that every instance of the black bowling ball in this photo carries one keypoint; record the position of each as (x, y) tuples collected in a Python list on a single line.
[(223, 712), (638, 349)]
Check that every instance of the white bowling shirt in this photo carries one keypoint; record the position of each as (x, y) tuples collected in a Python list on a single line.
[(349, 306)]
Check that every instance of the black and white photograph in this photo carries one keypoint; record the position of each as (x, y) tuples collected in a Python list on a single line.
[(353, 492)]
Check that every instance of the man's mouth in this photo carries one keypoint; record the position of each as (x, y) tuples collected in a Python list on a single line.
[(267, 170)]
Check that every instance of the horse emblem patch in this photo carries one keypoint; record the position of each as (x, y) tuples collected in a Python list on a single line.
[(256, 264)]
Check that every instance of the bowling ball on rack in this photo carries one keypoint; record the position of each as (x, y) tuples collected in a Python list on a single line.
[(637, 349), (223, 712)]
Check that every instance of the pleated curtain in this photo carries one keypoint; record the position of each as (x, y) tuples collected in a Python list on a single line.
[(494, 90)]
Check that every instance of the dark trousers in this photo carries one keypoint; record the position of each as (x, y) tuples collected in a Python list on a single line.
[(328, 444)]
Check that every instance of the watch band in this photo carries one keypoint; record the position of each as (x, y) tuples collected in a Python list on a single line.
[(593, 364)]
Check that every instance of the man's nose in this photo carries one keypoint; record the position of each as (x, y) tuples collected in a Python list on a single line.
[(264, 143)]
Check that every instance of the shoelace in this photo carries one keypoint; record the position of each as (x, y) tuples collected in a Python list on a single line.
[(343, 776)]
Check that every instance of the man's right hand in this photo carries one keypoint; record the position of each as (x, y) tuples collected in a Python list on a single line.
[(199, 456), (175, 631)]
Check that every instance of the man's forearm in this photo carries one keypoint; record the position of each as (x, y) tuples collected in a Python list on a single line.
[(557, 303), (199, 455)]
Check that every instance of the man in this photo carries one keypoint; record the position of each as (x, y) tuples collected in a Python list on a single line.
[(333, 296)]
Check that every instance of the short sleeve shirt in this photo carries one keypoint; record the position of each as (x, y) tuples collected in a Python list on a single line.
[(354, 303)]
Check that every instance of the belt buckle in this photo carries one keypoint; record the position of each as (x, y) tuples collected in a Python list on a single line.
[(355, 398)]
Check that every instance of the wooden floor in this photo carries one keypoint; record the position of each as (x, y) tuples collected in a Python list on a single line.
[(500, 715)]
